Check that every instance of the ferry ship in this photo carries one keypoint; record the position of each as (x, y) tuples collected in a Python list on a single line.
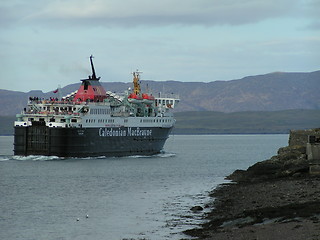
[(93, 122)]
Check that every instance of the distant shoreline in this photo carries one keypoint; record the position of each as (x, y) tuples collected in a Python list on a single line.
[(219, 123), (191, 134)]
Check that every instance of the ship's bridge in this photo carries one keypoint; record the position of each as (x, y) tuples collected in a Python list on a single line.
[(167, 100)]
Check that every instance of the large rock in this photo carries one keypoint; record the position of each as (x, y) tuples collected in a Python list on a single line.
[(196, 209), (290, 161)]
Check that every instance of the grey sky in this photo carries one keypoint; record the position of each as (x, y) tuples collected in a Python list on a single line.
[(47, 43)]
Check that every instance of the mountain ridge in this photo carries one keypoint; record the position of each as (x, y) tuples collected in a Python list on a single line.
[(266, 92)]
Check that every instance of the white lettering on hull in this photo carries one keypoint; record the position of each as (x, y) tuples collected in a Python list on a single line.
[(129, 132)]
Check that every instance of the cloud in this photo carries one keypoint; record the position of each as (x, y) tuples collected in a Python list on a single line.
[(311, 10), (128, 13), (315, 25), (15, 11)]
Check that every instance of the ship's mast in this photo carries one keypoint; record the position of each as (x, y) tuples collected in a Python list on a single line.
[(136, 82), (90, 89), (94, 77)]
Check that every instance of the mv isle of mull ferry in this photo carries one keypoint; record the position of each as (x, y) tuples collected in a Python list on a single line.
[(92, 122)]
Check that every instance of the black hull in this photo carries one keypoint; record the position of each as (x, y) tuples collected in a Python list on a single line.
[(89, 142)]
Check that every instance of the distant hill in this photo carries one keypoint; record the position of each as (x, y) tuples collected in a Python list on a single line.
[(208, 122), (269, 92)]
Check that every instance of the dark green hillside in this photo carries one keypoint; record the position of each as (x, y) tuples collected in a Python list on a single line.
[(245, 122)]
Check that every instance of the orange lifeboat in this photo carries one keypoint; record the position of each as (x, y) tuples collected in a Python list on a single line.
[(133, 95), (134, 98), (147, 98)]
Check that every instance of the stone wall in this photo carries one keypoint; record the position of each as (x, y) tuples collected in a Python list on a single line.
[(300, 137)]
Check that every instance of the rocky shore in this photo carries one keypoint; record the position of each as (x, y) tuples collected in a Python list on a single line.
[(274, 199)]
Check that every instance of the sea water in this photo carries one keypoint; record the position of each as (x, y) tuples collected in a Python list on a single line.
[(134, 197)]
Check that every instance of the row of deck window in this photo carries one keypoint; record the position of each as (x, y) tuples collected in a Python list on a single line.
[(164, 101), (126, 120), (155, 120), (57, 109), (62, 120), (100, 111), (100, 120)]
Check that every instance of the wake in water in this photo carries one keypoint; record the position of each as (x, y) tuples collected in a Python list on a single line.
[(28, 158), (4, 158), (165, 154), (35, 158), (159, 155), (51, 158)]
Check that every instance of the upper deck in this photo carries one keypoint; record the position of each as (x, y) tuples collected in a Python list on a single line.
[(92, 104)]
